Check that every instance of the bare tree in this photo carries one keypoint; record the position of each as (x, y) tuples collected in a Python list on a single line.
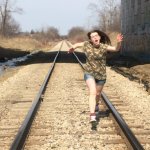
[(6, 10), (47, 34), (52, 33), (12, 27), (108, 12), (77, 33)]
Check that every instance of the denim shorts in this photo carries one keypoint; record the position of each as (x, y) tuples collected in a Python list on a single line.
[(99, 82)]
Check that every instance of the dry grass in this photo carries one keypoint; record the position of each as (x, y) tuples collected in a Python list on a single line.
[(24, 43)]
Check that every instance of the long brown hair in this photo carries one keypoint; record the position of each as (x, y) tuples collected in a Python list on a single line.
[(104, 37)]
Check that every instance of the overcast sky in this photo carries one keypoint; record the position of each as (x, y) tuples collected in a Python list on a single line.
[(62, 14)]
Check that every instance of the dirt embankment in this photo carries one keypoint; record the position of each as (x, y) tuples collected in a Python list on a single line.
[(132, 68), (129, 67)]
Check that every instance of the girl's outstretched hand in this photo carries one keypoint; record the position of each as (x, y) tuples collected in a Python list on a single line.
[(71, 50), (119, 38)]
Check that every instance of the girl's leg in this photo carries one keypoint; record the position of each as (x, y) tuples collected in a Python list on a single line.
[(92, 94), (99, 89)]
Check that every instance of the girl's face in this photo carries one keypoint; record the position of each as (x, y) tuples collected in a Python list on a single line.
[(95, 38)]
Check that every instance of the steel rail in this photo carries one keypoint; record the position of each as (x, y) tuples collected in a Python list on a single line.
[(136, 145), (78, 59), (125, 128), (75, 55), (20, 138)]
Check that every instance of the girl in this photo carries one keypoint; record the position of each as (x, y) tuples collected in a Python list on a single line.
[(95, 68)]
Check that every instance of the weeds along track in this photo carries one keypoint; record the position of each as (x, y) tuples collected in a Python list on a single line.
[(62, 118)]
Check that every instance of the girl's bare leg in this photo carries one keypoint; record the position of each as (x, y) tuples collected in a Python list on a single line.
[(99, 89), (92, 94)]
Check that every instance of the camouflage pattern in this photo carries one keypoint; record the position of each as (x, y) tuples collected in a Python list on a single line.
[(95, 60)]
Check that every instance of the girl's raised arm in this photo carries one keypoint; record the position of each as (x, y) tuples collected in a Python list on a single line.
[(117, 48)]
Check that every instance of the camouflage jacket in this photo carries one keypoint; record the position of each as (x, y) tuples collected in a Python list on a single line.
[(95, 60)]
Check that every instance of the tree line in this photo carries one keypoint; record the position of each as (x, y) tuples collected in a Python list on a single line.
[(107, 12)]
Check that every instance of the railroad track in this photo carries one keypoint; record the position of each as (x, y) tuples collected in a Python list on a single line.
[(62, 119)]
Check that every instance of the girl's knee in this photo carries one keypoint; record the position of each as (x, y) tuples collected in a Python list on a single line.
[(98, 93), (93, 93)]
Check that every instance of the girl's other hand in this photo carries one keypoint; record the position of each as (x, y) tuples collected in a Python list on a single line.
[(71, 50), (119, 38)]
